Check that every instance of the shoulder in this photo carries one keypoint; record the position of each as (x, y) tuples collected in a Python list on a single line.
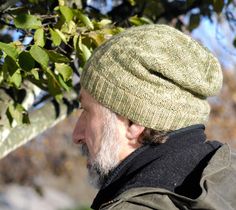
[(216, 184), (223, 160), (143, 198), (218, 180)]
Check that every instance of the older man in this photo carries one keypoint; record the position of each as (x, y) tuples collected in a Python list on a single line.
[(144, 107)]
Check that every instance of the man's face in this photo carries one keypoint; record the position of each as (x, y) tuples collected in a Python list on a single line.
[(89, 127), (97, 131)]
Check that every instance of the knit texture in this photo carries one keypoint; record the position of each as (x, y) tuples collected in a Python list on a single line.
[(155, 76)]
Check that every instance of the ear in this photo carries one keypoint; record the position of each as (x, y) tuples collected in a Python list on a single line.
[(134, 131)]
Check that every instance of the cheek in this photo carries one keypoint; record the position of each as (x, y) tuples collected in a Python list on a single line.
[(93, 134)]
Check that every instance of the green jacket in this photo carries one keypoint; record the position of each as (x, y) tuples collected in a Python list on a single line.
[(218, 184)]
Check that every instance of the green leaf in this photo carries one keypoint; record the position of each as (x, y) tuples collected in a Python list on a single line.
[(26, 21), (1, 76), (102, 23), (39, 37), (69, 28), (39, 55), (16, 79), (15, 111), (98, 38), (75, 41), (9, 67), (9, 117), (218, 5), (11, 72), (64, 84), (67, 13), (59, 97), (194, 21), (138, 21), (18, 112), (57, 57), (105, 22), (26, 61), (84, 19), (62, 36), (61, 2), (56, 39), (50, 74), (84, 49), (25, 119), (132, 2), (9, 49), (53, 86), (64, 70), (35, 73)]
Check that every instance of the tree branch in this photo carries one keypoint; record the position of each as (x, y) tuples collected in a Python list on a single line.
[(8, 24), (41, 119)]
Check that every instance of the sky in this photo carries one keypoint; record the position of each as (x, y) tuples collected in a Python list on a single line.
[(218, 38)]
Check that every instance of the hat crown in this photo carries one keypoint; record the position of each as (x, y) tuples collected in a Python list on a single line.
[(159, 69)]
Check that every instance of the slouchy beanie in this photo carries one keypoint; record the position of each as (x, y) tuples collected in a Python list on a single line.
[(155, 76)]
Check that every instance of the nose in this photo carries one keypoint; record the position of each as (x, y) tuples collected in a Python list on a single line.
[(78, 133)]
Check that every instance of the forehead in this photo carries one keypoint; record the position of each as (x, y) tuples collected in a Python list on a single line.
[(85, 97)]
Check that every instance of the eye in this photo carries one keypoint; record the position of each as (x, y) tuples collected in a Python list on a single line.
[(80, 106)]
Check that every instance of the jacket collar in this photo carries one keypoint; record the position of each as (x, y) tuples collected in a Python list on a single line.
[(184, 137), (221, 160), (179, 139)]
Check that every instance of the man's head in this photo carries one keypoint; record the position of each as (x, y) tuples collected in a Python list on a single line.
[(106, 137), (153, 76)]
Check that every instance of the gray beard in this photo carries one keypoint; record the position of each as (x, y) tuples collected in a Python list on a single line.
[(108, 156)]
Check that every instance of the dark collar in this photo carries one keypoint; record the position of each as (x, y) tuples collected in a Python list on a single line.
[(178, 141)]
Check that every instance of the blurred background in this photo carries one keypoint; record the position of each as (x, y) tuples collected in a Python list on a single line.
[(48, 171)]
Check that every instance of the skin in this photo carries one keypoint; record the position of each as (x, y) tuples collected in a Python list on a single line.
[(89, 127)]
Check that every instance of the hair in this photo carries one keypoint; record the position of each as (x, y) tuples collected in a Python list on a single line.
[(151, 136)]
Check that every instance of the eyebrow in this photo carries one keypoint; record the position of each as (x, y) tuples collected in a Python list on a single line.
[(80, 97)]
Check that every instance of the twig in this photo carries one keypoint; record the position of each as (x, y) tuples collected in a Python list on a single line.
[(8, 24), (62, 50)]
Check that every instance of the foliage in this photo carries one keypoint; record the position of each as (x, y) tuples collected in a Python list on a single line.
[(62, 39), (58, 36)]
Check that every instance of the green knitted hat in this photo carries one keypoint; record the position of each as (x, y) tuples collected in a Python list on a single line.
[(155, 76)]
